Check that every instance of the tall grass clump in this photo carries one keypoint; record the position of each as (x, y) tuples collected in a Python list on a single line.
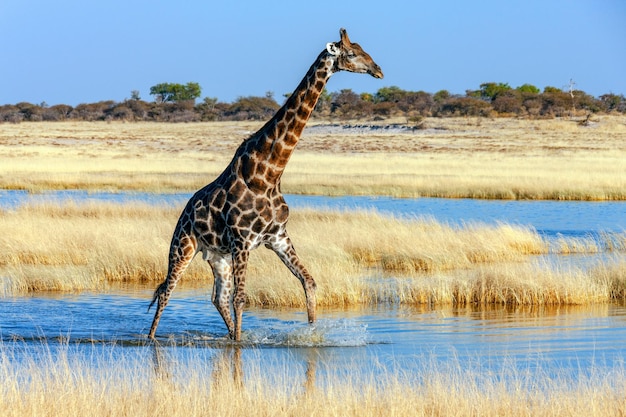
[(82, 246), (402, 245), (516, 284), (356, 257), (109, 243)]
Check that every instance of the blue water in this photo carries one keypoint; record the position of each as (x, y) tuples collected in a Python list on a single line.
[(364, 341), (569, 218), (373, 339)]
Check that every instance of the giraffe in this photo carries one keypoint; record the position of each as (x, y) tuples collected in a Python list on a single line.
[(243, 208)]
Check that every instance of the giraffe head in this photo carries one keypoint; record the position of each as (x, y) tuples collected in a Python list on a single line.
[(351, 57)]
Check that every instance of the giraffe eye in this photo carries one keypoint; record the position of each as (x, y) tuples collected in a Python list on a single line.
[(351, 54)]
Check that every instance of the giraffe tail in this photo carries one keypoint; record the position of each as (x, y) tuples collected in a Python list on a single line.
[(160, 289)]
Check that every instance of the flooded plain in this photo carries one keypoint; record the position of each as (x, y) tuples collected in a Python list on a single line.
[(367, 341), (548, 217)]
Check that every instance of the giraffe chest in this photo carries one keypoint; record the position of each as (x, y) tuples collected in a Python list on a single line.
[(237, 216)]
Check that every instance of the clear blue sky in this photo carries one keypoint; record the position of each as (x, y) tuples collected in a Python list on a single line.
[(83, 51)]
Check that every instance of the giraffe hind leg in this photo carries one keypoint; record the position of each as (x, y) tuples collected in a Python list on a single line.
[(161, 299), (182, 252), (287, 253), (159, 290), (240, 263)]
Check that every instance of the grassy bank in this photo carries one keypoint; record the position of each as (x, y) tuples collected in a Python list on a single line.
[(475, 158), (364, 258), (63, 384)]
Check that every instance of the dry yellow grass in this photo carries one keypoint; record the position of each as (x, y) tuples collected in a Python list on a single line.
[(65, 385), (477, 158), (364, 258)]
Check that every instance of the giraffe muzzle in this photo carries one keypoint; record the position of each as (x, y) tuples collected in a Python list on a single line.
[(376, 72)]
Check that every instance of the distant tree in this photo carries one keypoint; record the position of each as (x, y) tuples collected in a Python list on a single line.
[(389, 94), (10, 113), (120, 111), (189, 92), (30, 112), (492, 98), (162, 92), (464, 106), (472, 93), (530, 100), (491, 90), (584, 101), (570, 88), (210, 101), (208, 109), (347, 104), (345, 97), (171, 92), (139, 109), (613, 102), (384, 109), (416, 102), (550, 89), (180, 112), (528, 88), (532, 104), (367, 97), (252, 108), (92, 111), (57, 112), (441, 95), (555, 102), (508, 102)]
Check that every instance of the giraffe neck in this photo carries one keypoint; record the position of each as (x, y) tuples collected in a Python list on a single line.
[(261, 159)]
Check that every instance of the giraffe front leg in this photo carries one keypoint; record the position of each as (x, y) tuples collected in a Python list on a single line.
[(222, 292), (240, 264), (287, 253)]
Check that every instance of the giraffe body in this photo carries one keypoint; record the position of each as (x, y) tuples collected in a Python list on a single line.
[(244, 207)]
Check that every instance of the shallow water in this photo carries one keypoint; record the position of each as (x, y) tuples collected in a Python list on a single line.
[(375, 339), (569, 218)]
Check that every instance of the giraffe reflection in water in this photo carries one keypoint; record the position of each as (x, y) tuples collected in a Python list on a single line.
[(228, 367), (244, 207)]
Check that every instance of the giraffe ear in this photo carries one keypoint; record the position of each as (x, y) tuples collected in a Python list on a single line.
[(332, 49)]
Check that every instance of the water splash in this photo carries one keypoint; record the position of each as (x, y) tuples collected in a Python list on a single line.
[(324, 333)]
